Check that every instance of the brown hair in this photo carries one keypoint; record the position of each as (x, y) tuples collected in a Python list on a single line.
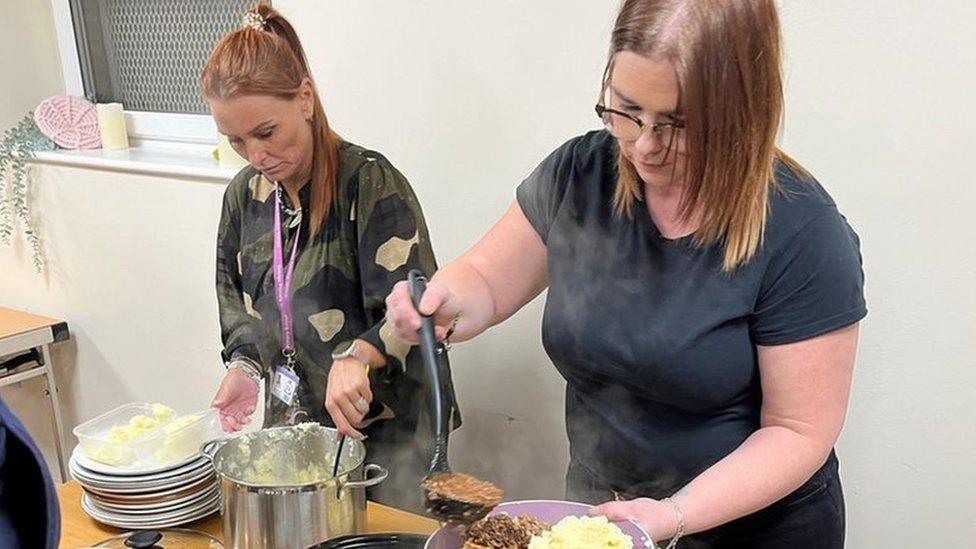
[(265, 57), (727, 58)]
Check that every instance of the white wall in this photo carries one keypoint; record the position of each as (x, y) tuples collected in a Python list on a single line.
[(880, 107), (466, 97), (29, 72), (130, 267), (30, 69)]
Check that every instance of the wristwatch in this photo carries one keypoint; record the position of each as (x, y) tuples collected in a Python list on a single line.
[(347, 349)]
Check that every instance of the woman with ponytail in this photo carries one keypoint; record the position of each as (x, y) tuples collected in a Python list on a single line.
[(313, 235)]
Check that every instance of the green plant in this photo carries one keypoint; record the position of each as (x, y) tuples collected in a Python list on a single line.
[(17, 147)]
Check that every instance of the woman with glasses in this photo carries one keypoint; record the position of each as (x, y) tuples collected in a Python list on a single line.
[(313, 235), (703, 290)]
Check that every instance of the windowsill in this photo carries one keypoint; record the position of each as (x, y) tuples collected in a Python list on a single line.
[(184, 162)]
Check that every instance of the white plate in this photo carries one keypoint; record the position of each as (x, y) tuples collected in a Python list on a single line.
[(134, 510), (155, 517), (79, 455), (123, 482), (127, 506), (142, 496), (84, 472), (123, 521), (150, 490), (149, 509), (152, 521), (164, 524), (140, 486), (157, 525)]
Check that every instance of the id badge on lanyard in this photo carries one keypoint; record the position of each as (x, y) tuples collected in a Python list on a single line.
[(284, 385)]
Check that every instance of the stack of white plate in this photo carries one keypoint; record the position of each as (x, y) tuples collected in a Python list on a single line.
[(146, 498)]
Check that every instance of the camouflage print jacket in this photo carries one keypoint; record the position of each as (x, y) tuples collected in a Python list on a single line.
[(374, 234)]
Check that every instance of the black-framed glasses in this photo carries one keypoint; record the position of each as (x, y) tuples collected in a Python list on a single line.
[(628, 127)]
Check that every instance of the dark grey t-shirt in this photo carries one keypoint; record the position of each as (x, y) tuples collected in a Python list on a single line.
[(656, 342)]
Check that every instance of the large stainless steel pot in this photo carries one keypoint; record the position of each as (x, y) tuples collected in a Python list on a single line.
[(277, 488)]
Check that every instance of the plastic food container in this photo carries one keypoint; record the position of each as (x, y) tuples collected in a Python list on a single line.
[(142, 435)]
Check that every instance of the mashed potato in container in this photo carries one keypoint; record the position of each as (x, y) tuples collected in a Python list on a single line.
[(140, 424), (146, 435)]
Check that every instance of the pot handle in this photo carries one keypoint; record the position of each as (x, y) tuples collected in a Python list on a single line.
[(367, 481), (209, 448)]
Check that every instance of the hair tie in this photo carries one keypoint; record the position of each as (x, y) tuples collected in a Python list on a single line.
[(254, 20)]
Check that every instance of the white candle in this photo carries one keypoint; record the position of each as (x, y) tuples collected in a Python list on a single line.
[(111, 126), (226, 155)]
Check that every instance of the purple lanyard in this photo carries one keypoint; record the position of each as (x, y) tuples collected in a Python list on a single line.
[(282, 281)]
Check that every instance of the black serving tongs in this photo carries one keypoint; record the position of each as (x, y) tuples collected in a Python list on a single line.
[(452, 507)]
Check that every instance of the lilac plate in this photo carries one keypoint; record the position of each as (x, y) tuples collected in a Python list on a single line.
[(549, 511)]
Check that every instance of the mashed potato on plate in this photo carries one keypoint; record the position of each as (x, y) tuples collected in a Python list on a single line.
[(582, 533)]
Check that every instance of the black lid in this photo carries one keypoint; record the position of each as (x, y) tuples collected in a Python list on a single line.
[(374, 541), (162, 538)]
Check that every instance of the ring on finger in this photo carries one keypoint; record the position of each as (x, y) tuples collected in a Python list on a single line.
[(362, 405)]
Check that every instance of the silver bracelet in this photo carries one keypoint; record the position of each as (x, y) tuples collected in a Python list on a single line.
[(246, 366), (450, 332), (680, 530)]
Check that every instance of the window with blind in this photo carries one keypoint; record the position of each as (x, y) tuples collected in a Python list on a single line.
[(148, 54)]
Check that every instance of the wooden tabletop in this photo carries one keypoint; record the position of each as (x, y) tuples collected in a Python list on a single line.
[(13, 322), (79, 530)]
